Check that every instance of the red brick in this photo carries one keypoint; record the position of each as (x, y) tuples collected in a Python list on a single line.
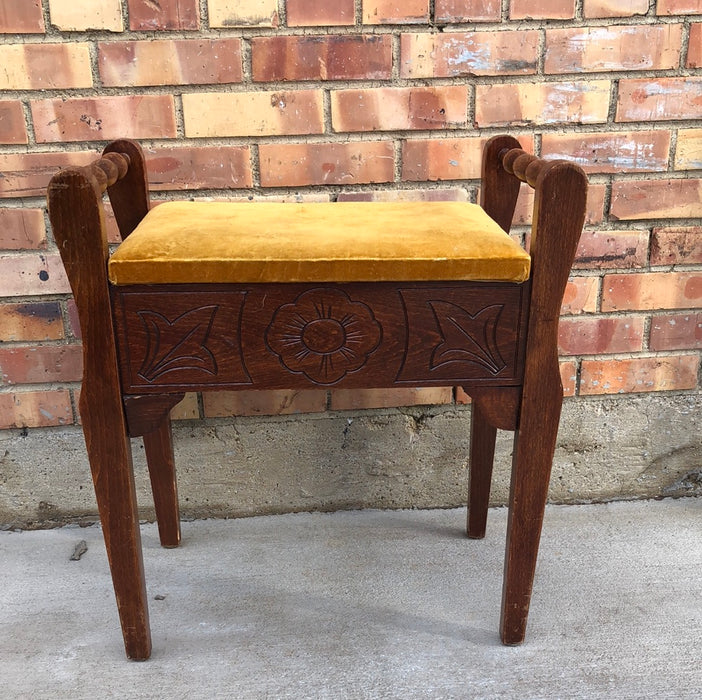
[(653, 199), (608, 249), (625, 48), (170, 62), (449, 55), (688, 150), (104, 118), (676, 332), (269, 403), (22, 229), (679, 7), (395, 11), (73, 322), (21, 17), (597, 336), (13, 129), (257, 113), (357, 399), (442, 159), (147, 15), (662, 99), (580, 295), (337, 57), (594, 213), (694, 49), (71, 16), (642, 374), (35, 409), (279, 197), (672, 245), (584, 102), (542, 9), (31, 321), (28, 174), (45, 66), (614, 8), (243, 13), (29, 275), (390, 109), (209, 167), (569, 377), (611, 152), (595, 203), (468, 11), (652, 290), (454, 194), (293, 165), (303, 13), (41, 364)]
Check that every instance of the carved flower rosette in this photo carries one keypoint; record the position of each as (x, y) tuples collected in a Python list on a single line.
[(323, 335)]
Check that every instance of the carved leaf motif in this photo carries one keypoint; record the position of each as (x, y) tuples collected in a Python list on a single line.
[(178, 344), (467, 337)]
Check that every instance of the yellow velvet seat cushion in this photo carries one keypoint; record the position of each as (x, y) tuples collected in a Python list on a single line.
[(211, 242)]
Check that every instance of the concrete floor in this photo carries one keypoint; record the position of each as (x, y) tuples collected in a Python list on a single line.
[(365, 604)]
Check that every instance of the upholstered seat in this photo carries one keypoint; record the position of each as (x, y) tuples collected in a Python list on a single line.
[(218, 242)]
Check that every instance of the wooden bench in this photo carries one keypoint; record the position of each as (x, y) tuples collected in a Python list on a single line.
[(203, 296)]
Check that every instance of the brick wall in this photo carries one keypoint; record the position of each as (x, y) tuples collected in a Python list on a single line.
[(364, 99)]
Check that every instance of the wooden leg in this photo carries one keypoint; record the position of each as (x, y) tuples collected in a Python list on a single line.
[(78, 223), (534, 446), (158, 445), (482, 455), (110, 458)]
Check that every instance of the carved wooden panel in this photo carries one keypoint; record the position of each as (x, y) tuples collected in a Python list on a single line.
[(179, 339), (463, 333), (195, 337), (324, 335)]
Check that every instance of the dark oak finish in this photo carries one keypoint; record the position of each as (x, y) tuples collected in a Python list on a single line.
[(78, 224), (145, 346), (198, 337)]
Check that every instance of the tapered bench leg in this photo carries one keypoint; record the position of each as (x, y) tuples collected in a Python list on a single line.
[(158, 445), (482, 454), (534, 446), (113, 478)]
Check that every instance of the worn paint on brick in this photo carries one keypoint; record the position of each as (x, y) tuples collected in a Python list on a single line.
[(611, 152), (585, 102), (468, 53), (648, 99), (598, 49)]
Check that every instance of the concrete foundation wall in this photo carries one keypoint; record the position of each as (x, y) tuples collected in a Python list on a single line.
[(608, 448)]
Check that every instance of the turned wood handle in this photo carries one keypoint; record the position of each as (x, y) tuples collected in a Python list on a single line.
[(108, 169), (523, 165)]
